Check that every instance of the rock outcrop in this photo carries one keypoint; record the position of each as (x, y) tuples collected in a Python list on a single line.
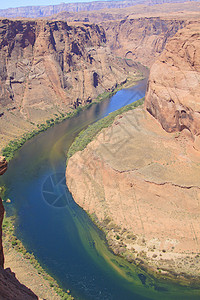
[(141, 39), (173, 94), (3, 165), (11, 288), (141, 182), (48, 67), (129, 178), (173, 10), (45, 65)]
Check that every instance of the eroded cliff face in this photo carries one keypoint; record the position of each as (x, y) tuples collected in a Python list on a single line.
[(141, 181), (173, 94), (49, 64), (48, 67), (48, 10), (141, 39), (43, 11), (173, 10), (129, 178)]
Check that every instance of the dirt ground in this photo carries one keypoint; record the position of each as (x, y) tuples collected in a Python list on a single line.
[(28, 275), (144, 184)]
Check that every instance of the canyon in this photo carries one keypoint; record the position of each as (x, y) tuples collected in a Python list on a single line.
[(173, 10), (139, 178), (138, 33), (44, 11), (143, 39), (74, 62), (129, 177), (70, 63)]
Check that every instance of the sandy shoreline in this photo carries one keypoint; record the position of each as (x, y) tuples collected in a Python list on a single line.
[(24, 270), (147, 208), (26, 267), (28, 275), (156, 263)]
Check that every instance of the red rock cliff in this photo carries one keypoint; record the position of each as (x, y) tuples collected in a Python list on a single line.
[(141, 39), (145, 180), (173, 94), (10, 287), (46, 65)]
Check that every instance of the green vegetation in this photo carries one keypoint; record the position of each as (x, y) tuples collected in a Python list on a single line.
[(14, 145), (2, 191), (11, 241), (9, 152), (87, 135)]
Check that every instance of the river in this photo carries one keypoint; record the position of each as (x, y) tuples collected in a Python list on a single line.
[(59, 233)]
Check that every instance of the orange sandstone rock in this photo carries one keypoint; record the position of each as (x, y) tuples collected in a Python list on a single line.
[(173, 94)]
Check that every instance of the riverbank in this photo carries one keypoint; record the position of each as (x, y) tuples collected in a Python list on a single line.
[(86, 136), (138, 196), (26, 267), (9, 150), (120, 240), (15, 254)]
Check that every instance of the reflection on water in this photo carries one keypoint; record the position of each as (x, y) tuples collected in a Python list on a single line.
[(59, 232)]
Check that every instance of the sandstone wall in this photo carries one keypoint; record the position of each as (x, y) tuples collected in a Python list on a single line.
[(173, 10), (173, 93), (46, 65), (50, 67), (144, 38), (142, 182)]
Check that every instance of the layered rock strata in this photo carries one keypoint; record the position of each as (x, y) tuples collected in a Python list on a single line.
[(173, 11), (173, 94), (141, 182), (141, 39), (43, 11), (142, 185), (50, 67)]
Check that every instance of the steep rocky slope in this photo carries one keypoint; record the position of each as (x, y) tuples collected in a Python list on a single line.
[(140, 181), (173, 95), (10, 287), (141, 39), (48, 67), (139, 32), (173, 10)]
